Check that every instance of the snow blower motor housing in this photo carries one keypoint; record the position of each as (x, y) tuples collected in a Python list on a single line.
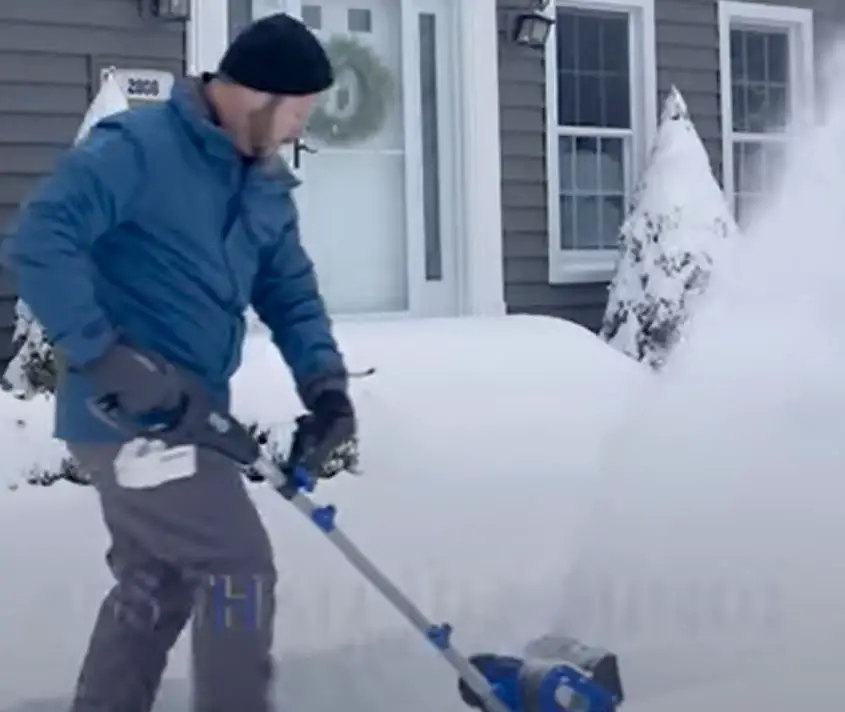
[(556, 675)]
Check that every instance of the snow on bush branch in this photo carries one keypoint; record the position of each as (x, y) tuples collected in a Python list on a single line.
[(669, 243)]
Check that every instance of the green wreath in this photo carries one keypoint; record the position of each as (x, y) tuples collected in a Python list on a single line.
[(373, 86)]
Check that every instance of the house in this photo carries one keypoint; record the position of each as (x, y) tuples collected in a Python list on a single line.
[(436, 182)]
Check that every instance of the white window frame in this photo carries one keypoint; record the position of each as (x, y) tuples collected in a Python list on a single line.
[(798, 23), (573, 266)]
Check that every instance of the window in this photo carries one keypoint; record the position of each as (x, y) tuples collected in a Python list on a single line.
[(766, 62), (601, 98)]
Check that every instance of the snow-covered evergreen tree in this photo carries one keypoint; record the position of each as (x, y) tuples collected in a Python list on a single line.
[(32, 371), (678, 222)]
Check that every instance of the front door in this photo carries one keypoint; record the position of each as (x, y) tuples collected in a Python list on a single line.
[(379, 199)]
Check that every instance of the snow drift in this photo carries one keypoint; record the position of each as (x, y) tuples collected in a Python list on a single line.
[(723, 499), (478, 446)]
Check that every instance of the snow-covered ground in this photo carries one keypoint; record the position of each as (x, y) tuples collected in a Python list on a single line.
[(479, 444)]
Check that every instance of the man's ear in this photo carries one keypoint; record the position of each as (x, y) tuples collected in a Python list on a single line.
[(252, 100)]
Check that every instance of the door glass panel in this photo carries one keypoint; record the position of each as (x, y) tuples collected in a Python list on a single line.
[(312, 16), (352, 198), (430, 147)]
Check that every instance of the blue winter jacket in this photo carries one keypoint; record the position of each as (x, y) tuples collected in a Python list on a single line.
[(157, 230)]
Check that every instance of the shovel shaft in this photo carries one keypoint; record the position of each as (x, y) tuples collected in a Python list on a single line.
[(439, 635)]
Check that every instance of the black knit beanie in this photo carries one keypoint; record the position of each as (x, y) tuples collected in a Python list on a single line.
[(278, 55)]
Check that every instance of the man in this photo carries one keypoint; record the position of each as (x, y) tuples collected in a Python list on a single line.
[(139, 256)]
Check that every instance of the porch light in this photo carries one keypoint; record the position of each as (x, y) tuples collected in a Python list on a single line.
[(532, 29), (171, 10)]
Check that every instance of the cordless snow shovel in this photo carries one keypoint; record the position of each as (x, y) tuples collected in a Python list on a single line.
[(554, 675)]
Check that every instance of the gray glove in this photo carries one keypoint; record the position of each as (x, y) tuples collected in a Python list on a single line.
[(141, 383)]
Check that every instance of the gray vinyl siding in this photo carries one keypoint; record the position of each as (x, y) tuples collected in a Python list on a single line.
[(51, 54), (687, 56)]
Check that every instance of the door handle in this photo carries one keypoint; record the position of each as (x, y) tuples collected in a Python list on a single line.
[(300, 147)]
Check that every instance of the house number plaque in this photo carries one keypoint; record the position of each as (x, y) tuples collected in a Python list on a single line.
[(142, 84)]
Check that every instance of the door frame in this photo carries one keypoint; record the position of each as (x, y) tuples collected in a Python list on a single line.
[(480, 259)]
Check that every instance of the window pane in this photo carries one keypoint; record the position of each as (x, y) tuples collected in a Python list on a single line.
[(567, 41), (567, 223), (612, 215), (588, 223), (312, 15), (567, 99), (586, 165), (755, 99), (757, 165), (589, 100), (611, 165), (759, 79), (775, 160), (614, 45), (616, 104), (566, 164), (593, 204), (755, 47), (593, 69), (589, 42), (778, 108), (359, 20), (778, 57), (737, 55)]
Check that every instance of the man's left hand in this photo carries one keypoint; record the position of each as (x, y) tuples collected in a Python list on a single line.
[(325, 441)]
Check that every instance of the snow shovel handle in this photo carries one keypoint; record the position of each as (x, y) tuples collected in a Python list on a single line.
[(293, 487), (224, 434), (293, 482)]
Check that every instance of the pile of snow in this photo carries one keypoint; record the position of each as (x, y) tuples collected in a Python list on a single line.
[(678, 226), (714, 568), (479, 442)]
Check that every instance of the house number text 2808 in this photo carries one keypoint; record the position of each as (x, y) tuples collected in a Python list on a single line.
[(143, 84)]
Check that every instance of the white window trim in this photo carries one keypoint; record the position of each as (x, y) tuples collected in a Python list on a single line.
[(480, 258), (570, 266), (799, 24)]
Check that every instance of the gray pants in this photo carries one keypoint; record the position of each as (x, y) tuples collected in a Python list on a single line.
[(193, 547)]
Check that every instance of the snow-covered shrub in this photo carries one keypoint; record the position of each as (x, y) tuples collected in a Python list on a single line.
[(33, 371), (677, 224)]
